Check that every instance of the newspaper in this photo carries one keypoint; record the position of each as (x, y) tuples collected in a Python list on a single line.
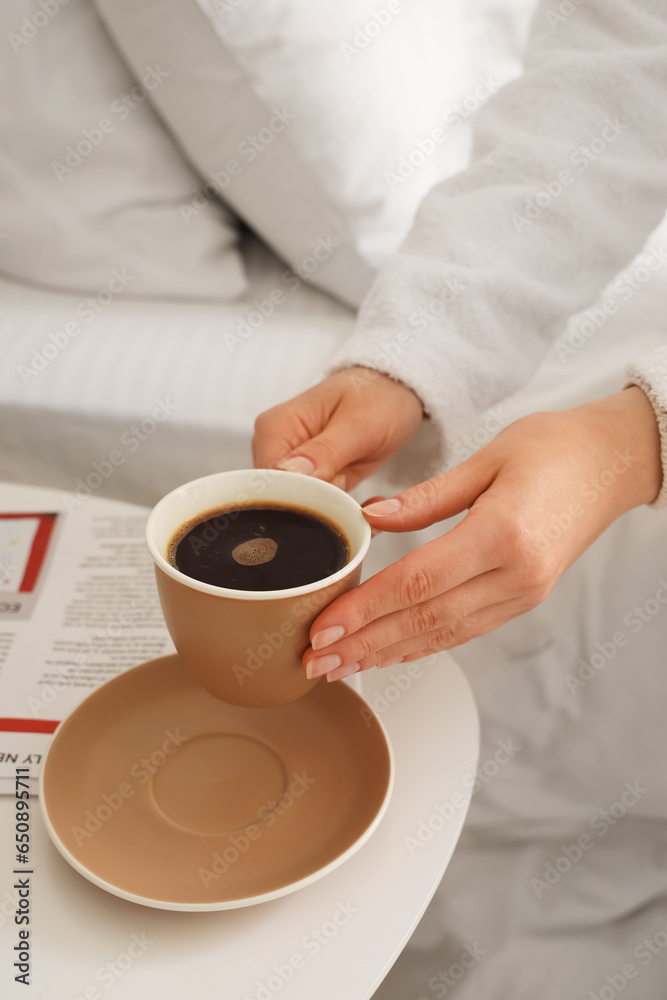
[(78, 605)]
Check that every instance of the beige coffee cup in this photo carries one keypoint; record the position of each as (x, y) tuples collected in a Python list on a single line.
[(244, 646)]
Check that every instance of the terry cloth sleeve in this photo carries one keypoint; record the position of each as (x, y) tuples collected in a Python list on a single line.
[(650, 373), (567, 179)]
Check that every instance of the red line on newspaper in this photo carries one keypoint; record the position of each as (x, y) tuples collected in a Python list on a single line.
[(28, 725), (39, 546)]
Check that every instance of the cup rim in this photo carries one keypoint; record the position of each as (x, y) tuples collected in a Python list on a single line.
[(255, 595)]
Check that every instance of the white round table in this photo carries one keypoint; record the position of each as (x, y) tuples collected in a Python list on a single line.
[(334, 939)]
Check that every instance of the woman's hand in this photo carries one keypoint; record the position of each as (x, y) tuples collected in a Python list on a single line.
[(340, 430), (538, 495)]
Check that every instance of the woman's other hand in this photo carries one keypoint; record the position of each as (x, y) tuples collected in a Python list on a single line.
[(340, 430), (537, 497)]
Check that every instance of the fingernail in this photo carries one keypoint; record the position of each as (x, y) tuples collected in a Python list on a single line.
[(391, 663), (383, 508), (349, 668), (321, 664), (327, 636), (340, 481), (298, 463)]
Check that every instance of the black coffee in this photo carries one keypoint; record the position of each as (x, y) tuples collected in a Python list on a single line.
[(258, 547)]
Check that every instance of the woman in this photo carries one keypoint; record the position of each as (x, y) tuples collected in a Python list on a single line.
[(568, 178)]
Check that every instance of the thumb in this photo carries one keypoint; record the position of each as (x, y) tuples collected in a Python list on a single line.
[(433, 500), (326, 455)]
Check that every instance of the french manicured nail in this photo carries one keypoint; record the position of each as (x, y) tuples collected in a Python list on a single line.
[(327, 636), (298, 463), (349, 668), (322, 664), (383, 507)]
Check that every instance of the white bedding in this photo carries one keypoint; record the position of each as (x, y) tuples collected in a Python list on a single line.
[(108, 377), (89, 179)]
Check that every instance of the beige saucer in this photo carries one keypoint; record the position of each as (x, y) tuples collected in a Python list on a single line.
[(158, 792)]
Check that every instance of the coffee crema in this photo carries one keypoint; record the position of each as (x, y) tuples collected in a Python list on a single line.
[(259, 546)]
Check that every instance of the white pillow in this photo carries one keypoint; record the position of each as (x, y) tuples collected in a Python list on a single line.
[(90, 181), (303, 113)]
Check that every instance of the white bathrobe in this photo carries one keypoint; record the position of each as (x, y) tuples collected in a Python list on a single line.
[(568, 178)]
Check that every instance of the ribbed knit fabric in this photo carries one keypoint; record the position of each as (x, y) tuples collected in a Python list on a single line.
[(650, 373)]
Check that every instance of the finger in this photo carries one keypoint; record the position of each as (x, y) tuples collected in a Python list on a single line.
[(346, 671), (485, 623), (447, 637), (466, 551), (285, 427), (413, 622), (343, 442), (435, 499), (278, 432)]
